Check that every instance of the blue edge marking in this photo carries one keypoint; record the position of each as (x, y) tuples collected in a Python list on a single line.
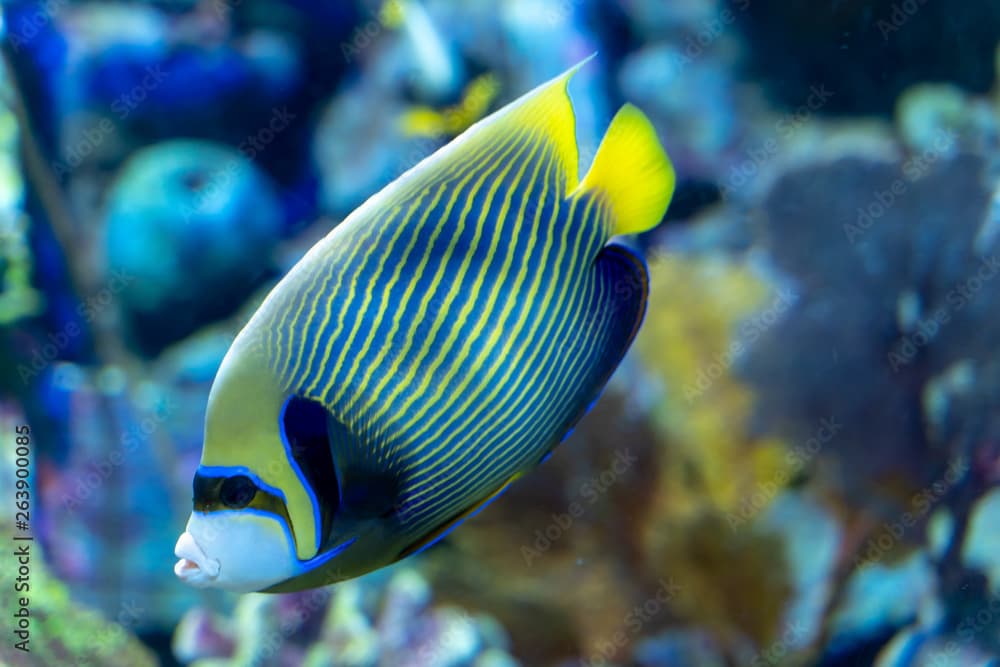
[(228, 471), (317, 521)]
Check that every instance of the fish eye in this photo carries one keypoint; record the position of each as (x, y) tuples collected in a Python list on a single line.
[(237, 492)]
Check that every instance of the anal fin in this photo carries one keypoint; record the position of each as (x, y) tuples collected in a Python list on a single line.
[(626, 279), (615, 317)]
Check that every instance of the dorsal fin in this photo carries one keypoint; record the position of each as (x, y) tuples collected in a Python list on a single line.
[(632, 171)]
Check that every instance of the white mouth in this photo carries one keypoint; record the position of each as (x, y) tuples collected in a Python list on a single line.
[(194, 567)]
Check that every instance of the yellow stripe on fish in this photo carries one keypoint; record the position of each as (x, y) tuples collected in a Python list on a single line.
[(435, 346)]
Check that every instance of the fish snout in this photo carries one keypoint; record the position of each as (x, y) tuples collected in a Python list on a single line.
[(194, 567)]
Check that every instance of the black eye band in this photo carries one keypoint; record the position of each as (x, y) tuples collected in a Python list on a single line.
[(218, 493), (214, 494), (206, 491)]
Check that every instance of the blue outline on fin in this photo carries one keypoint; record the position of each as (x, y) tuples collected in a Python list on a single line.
[(459, 522), (317, 520)]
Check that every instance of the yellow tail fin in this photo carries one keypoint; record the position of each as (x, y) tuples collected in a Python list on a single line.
[(633, 171)]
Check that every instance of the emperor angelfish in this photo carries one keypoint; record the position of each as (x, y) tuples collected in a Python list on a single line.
[(432, 348)]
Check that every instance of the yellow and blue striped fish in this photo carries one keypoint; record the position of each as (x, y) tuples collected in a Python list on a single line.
[(436, 345)]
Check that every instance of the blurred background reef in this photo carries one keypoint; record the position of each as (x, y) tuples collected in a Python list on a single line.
[(798, 463)]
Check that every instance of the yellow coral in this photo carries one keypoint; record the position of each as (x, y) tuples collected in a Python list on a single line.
[(62, 632), (732, 583), (689, 343), (715, 477)]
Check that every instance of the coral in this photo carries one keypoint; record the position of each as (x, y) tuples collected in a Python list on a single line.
[(696, 133), (424, 121), (937, 634), (116, 501), (360, 146), (690, 341), (62, 631), (882, 597), (117, 448), (188, 230), (742, 607), (896, 272), (916, 649), (982, 546), (924, 111), (152, 74), (812, 540), (896, 305), (18, 299), (679, 648), (719, 476), (383, 620)]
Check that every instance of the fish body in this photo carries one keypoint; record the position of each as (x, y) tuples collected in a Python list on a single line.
[(435, 346)]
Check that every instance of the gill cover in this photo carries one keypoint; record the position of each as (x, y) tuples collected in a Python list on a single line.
[(243, 433)]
